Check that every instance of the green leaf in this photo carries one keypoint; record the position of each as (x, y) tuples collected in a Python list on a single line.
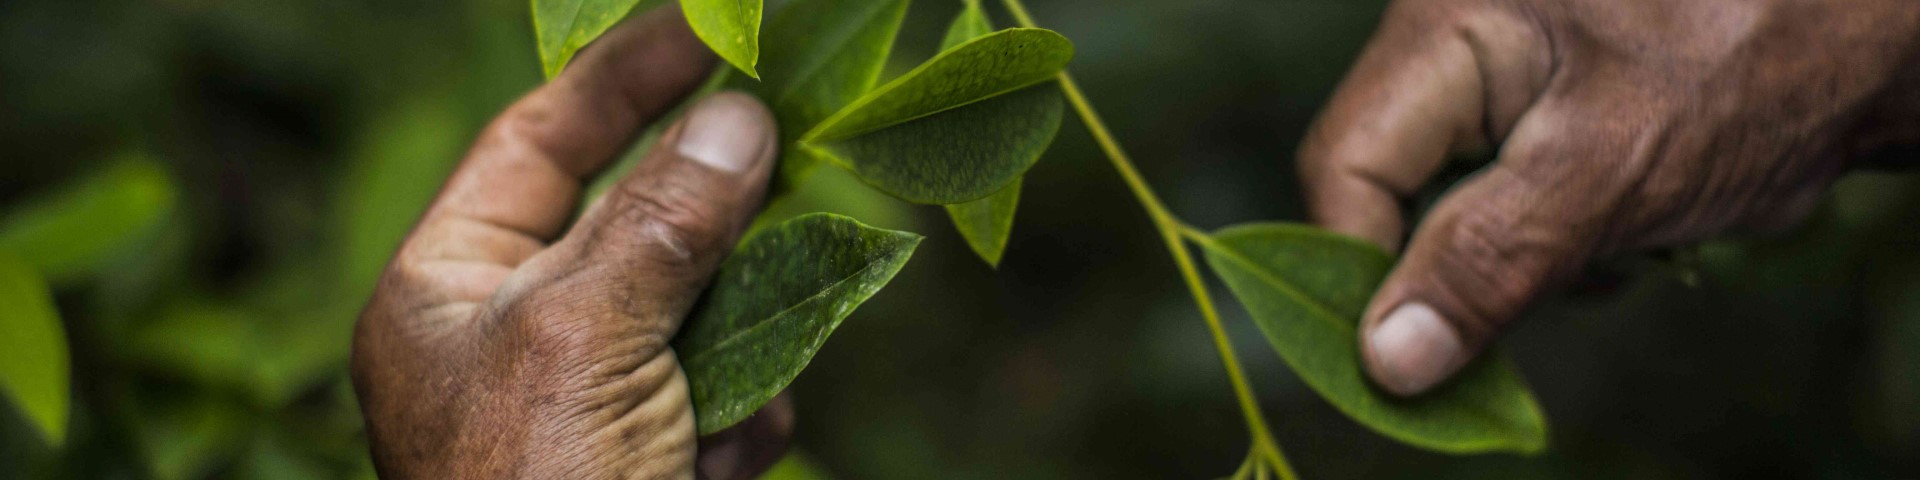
[(1306, 289), (983, 68), (33, 349), (796, 465), (821, 56), (730, 27), (838, 191), (970, 24), (563, 27), (773, 304), (186, 435), (68, 234), (958, 128), (381, 192), (988, 222)]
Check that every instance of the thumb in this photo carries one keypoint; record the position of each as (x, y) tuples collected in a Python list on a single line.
[(662, 231), (1483, 254)]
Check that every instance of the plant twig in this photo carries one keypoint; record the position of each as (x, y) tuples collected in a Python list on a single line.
[(1170, 230), (1245, 472)]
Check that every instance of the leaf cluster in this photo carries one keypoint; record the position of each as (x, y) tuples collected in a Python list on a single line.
[(960, 130)]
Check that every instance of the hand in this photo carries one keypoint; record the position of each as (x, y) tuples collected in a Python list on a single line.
[(1621, 124), (497, 347)]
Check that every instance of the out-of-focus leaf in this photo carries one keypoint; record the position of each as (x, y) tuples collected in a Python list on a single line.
[(270, 355), (68, 234), (563, 27), (730, 27), (970, 24), (188, 437), (33, 349), (958, 128), (988, 222), (210, 343), (272, 456), (773, 304), (1306, 290), (402, 159), (300, 351), (795, 466), (821, 56)]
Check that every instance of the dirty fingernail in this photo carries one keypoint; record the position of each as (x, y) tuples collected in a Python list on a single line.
[(728, 131)]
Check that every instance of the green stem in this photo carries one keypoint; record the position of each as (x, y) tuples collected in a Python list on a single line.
[(1170, 231), (1245, 472)]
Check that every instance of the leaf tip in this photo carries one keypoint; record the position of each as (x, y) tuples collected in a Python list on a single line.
[(750, 66)]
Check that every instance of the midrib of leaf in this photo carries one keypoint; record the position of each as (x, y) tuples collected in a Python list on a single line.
[(566, 34), (890, 87), (839, 44), (1323, 312), (811, 299)]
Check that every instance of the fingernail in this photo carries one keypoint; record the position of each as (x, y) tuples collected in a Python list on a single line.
[(1413, 349), (728, 131)]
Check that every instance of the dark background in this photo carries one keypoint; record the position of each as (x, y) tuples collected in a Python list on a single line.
[(304, 136)]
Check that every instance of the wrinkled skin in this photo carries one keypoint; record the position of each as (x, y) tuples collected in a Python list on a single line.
[(503, 342), (1620, 124)]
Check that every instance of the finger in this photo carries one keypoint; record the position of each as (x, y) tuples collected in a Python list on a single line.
[(747, 450), (518, 185), (1438, 77), (661, 231), (1527, 224)]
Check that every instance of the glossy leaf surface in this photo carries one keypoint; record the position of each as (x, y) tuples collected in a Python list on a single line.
[(772, 306), (958, 128), (730, 27), (34, 367), (1306, 290), (563, 27)]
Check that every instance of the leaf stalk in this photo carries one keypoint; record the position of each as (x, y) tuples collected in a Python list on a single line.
[(1171, 230)]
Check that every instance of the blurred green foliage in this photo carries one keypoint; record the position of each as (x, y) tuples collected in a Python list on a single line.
[(303, 137), (33, 353)]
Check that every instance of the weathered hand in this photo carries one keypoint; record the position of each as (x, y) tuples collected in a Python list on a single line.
[(1620, 124), (498, 347)]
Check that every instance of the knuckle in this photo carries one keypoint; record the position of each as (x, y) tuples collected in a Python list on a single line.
[(553, 321), (1496, 260), (582, 328), (667, 223), (521, 125)]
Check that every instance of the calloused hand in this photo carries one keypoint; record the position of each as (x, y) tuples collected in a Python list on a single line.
[(504, 343), (1621, 124)]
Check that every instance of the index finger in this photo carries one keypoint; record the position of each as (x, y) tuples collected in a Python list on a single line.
[(1437, 77), (520, 183)]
